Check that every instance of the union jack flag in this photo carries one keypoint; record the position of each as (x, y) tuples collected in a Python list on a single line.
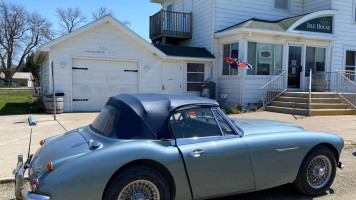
[(235, 62)]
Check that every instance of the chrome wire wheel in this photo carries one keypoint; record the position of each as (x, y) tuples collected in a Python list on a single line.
[(319, 171), (140, 190)]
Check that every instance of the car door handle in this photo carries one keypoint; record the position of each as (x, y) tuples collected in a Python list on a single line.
[(196, 153)]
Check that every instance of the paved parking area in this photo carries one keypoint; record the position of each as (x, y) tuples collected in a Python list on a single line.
[(15, 133)]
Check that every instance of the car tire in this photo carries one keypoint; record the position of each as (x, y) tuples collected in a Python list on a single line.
[(317, 172), (143, 177)]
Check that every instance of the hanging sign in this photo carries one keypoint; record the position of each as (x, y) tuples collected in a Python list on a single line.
[(319, 25)]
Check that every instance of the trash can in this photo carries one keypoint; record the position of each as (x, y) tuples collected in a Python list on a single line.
[(208, 89), (49, 104)]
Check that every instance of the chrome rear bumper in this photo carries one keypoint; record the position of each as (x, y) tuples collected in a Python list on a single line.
[(20, 187)]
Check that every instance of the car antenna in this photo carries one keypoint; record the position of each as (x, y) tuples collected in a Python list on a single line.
[(29, 147)]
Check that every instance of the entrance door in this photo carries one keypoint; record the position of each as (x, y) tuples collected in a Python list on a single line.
[(294, 66), (172, 78)]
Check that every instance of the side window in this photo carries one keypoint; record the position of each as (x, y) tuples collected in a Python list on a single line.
[(199, 122), (225, 127)]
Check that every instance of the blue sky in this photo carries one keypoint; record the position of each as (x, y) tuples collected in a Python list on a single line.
[(135, 11)]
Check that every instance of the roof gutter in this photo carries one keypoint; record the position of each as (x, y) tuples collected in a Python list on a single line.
[(190, 58), (235, 31)]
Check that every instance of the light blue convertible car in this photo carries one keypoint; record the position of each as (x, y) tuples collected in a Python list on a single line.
[(153, 146)]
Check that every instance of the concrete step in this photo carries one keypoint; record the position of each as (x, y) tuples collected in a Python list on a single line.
[(289, 104), (322, 112), (313, 95), (295, 111), (306, 100), (306, 105)]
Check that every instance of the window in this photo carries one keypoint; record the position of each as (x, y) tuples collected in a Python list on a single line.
[(354, 10), (225, 127), (191, 123), (281, 4), (351, 64), (195, 76), (315, 60), (230, 51), (116, 122), (265, 58)]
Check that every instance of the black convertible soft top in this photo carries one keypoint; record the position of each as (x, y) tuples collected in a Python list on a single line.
[(154, 109)]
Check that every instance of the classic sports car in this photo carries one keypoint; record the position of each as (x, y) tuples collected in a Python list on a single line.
[(154, 146)]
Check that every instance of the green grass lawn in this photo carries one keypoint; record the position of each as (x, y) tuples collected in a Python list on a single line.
[(18, 102)]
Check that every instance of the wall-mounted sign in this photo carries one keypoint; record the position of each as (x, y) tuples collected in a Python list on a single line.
[(319, 25)]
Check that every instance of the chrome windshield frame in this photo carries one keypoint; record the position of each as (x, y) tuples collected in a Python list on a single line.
[(238, 131)]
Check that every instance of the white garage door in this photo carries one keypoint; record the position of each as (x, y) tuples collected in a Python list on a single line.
[(94, 81)]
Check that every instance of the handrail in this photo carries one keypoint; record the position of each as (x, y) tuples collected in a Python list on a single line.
[(345, 87), (310, 90), (273, 89)]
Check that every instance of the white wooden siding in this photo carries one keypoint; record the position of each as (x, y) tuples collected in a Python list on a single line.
[(104, 42), (228, 13), (345, 30), (316, 5), (45, 78), (202, 25)]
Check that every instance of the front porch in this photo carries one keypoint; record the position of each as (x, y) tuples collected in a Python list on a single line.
[(322, 103)]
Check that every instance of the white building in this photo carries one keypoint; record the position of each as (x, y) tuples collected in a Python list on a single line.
[(272, 35), (19, 79), (105, 58)]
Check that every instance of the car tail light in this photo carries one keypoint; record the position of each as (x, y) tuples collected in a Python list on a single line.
[(42, 142), (49, 166), (31, 156), (34, 185)]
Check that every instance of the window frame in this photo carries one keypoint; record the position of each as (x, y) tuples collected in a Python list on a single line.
[(353, 20), (350, 66), (222, 62), (183, 141), (281, 9), (187, 82), (274, 57), (325, 59)]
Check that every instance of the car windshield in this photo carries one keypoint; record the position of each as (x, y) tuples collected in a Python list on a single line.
[(115, 122)]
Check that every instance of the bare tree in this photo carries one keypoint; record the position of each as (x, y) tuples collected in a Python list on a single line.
[(70, 19), (101, 12), (20, 33)]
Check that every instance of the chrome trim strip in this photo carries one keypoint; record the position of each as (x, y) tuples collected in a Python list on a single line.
[(287, 149), (217, 122), (237, 131)]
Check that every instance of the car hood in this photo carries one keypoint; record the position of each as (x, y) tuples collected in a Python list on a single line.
[(259, 126)]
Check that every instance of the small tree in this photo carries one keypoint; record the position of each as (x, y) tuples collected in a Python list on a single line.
[(101, 12), (20, 32), (32, 67), (70, 19)]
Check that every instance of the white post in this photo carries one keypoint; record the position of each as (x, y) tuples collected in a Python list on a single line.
[(310, 85), (54, 93)]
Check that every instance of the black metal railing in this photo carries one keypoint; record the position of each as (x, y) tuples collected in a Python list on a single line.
[(171, 24)]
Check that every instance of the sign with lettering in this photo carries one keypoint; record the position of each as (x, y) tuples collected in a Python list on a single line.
[(319, 25)]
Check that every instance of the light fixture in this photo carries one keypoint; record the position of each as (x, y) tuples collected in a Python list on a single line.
[(147, 68), (63, 64)]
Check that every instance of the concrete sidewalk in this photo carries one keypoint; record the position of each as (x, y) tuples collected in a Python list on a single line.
[(15, 131)]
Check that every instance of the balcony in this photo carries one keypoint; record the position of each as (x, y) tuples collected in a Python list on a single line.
[(170, 27)]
